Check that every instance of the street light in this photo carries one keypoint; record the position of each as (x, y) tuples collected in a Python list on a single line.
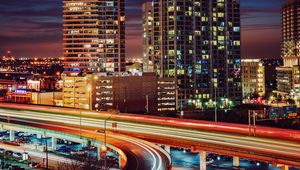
[(216, 114), (80, 124), (105, 120), (89, 89)]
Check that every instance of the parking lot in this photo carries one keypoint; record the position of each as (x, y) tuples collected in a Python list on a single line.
[(183, 159), (63, 148)]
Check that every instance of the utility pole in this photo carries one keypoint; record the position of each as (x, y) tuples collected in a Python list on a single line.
[(254, 121), (216, 111), (105, 140), (249, 121), (47, 158), (105, 143), (147, 104), (80, 125)]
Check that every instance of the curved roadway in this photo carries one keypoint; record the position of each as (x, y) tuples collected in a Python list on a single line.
[(266, 149), (141, 155)]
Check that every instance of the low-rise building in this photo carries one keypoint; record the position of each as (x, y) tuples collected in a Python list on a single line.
[(29, 96), (288, 80), (127, 93), (37, 84), (144, 93), (12, 84), (76, 91), (166, 94)]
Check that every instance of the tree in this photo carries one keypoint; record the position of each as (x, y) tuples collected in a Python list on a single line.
[(85, 162)]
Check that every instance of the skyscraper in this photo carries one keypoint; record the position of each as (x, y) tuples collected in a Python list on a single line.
[(288, 76), (197, 42), (94, 36), (148, 50), (291, 33)]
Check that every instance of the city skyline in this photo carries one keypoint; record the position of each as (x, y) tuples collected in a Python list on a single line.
[(41, 28), (185, 84)]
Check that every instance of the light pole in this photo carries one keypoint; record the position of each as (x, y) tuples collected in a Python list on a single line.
[(89, 89), (105, 147), (254, 115), (181, 108), (216, 111), (47, 157), (147, 104), (80, 124)]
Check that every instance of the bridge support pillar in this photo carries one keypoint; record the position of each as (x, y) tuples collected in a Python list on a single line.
[(98, 152), (120, 161), (53, 143), (236, 161), (168, 149), (203, 160), (11, 135)]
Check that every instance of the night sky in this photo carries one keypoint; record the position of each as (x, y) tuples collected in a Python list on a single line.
[(34, 28)]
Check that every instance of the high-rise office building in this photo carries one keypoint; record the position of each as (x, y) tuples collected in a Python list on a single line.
[(288, 79), (198, 43), (148, 50), (94, 36), (291, 33)]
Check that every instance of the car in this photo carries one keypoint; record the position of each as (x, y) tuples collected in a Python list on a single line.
[(2, 151), (80, 152), (20, 134), (34, 165), (15, 167), (100, 131), (111, 158), (212, 156), (63, 149), (5, 137), (6, 166), (17, 155), (8, 152), (209, 161), (23, 140)]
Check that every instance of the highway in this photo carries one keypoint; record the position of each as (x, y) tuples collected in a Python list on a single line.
[(277, 151), (140, 154)]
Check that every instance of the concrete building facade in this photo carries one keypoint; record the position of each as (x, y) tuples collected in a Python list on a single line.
[(253, 77), (133, 94), (77, 91)]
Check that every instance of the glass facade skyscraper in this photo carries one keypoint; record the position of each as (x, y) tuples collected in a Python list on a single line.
[(94, 35), (197, 42)]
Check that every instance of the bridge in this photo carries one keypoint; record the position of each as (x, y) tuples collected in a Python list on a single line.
[(276, 146), (115, 143)]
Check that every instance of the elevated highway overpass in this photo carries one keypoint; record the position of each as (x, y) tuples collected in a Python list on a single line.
[(144, 156), (277, 146)]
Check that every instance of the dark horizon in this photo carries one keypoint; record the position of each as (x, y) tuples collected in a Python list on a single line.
[(36, 29)]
